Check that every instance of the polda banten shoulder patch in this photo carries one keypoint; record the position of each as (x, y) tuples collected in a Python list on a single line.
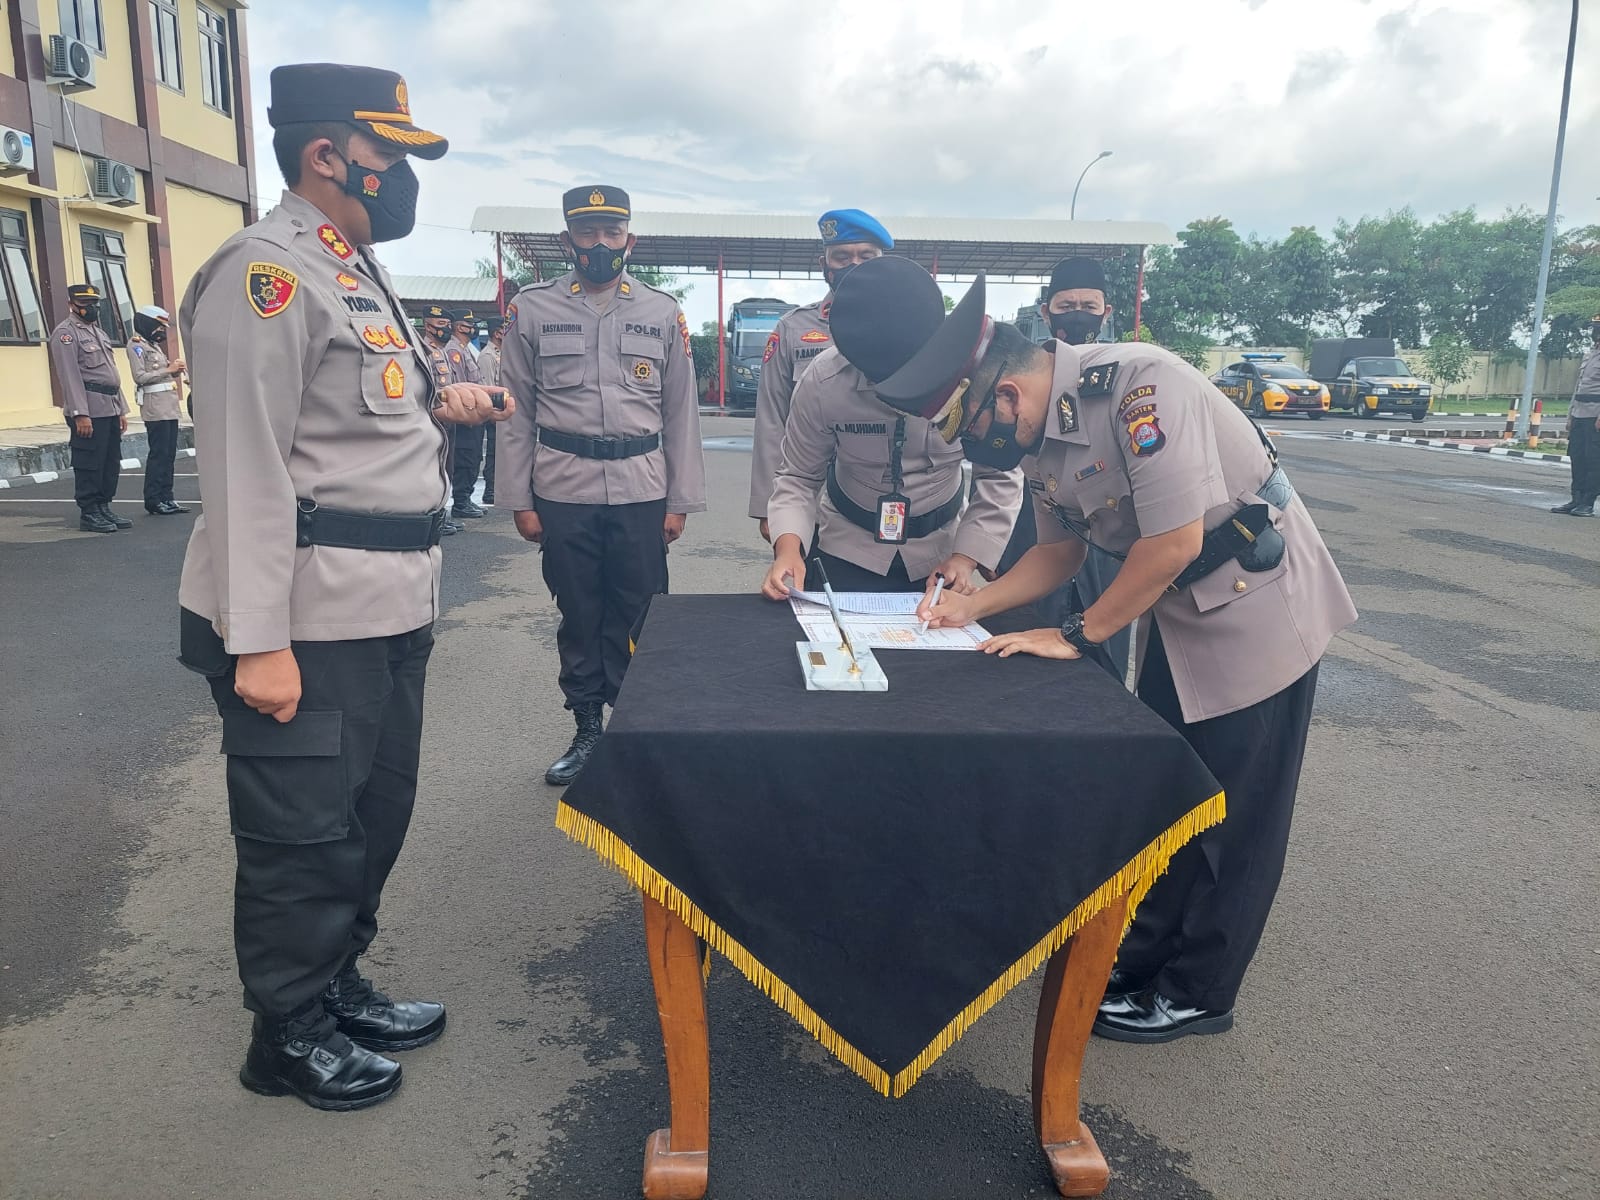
[(1066, 413), (1097, 381), (269, 288)]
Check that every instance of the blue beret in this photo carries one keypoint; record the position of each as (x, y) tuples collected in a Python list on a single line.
[(852, 225)]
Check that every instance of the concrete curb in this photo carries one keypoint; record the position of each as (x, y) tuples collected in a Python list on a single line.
[(128, 464), (1497, 451), (22, 462)]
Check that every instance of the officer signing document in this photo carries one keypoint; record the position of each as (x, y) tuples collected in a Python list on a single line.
[(311, 583)]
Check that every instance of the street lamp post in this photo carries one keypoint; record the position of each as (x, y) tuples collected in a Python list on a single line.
[(1525, 409), (1073, 214)]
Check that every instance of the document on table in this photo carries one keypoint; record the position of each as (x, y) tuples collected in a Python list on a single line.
[(879, 621)]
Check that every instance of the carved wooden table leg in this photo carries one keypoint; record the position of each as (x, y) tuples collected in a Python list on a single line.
[(676, 1160), (1074, 983)]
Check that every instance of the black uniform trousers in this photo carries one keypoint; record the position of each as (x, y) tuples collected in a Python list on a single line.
[(846, 576), (1198, 929), (320, 808), (488, 464), (468, 458), (163, 456), (602, 563), (1583, 447), (96, 462)]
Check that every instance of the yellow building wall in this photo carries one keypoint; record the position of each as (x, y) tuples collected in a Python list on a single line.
[(8, 61), (112, 92), (25, 370), (184, 116), (200, 223)]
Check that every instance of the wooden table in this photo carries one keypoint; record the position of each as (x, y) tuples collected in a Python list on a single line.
[(677, 1159)]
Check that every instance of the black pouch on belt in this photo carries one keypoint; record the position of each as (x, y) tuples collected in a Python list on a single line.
[(1248, 538)]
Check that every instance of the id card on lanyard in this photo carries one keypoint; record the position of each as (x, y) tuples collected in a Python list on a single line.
[(894, 510)]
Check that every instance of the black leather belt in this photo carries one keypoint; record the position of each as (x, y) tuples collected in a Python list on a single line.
[(105, 389), (318, 526), (919, 526), (606, 448)]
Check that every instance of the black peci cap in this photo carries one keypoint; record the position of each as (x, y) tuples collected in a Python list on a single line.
[(882, 312), (373, 100), (596, 200), (1072, 273)]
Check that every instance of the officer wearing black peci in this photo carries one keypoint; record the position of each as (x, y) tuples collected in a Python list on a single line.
[(311, 582)]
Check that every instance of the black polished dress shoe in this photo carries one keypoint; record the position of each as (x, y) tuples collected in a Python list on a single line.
[(466, 508), (1565, 508), (307, 1057), (488, 497), (90, 521), (165, 508), (450, 529), (1585, 510), (1148, 1016), (1123, 984), (120, 522), (369, 1018)]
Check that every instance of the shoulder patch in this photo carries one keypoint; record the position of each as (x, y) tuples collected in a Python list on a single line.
[(683, 328), (1145, 435), (334, 241), (455, 357), (269, 287), (66, 339), (1066, 413), (772, 347), (137, 348), (1098, 381), (1139, 393), (511, 317)]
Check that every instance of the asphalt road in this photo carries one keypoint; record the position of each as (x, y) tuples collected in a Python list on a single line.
[(1418, 1022)]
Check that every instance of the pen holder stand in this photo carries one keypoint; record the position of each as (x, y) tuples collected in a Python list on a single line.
[(827, 668)]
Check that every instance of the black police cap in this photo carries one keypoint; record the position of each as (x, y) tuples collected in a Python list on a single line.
[(1072, 273), (372, 99), (883, 311), (434, 312), (493, 323), (79, 292), (459, 315), (596, 200)]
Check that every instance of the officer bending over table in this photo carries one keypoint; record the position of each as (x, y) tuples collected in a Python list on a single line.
[(1131, 448)]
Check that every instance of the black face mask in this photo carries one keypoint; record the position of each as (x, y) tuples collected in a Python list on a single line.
[(89, 312), (158, 336), (999, 447), (439, 335), (390, 197), (1076, 327), (834, 275), (600, 263)]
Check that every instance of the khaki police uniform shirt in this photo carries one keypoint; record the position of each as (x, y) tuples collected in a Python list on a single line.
[(623, 372), (800, 336), (489, 364), (1163, 449), (1588, 385), (157, 386), (81, 352), (837, 417), (463, 366), (307, 387)]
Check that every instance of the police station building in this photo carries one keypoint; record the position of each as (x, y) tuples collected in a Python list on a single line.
[(125, 160)]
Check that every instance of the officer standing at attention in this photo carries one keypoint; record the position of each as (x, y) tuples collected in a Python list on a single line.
[(438, 324), (489, 369), (94, 408), (893, 506), (311, 583), (849, 236), (603, 462), (469, 439), (156, 377), (1583, 432), (1135, 450)]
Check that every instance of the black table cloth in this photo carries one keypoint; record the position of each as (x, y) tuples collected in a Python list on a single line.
[(885, 866)]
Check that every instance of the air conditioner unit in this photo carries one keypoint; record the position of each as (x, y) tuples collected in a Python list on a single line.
[(16, 151), (70, 64), (114, 182)]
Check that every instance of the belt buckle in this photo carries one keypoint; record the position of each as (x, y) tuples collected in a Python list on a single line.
[(606, 448)]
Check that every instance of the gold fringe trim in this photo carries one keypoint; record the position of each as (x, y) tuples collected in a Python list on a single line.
[(1134, 880)]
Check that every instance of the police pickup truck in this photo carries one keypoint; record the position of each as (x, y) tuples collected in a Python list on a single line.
[(1368, 377), (1264, 385)]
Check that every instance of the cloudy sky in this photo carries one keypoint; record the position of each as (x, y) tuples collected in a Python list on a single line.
[(1274, 113)]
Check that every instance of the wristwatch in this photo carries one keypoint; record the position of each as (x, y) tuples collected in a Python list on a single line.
[(1072, 633)]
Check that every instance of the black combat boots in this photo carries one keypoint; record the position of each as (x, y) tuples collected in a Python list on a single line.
[(306, 1056), (565, 769), (90, 521), (369, 1018), (120, 522)]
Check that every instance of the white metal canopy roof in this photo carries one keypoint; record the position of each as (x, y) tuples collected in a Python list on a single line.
[(769, 244)]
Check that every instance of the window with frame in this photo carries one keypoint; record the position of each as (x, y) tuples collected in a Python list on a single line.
[(81, 19), (216, 80), (21, 316), (164, 43), (105, 267)]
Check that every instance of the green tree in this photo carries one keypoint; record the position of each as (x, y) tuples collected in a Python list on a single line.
[(1479, 276), (1193, 288), (1302, 266), (1574, 292), (1447, 360), (1378, 276)]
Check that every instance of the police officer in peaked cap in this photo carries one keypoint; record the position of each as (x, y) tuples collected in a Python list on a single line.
[(311, 583), (1236, 597)]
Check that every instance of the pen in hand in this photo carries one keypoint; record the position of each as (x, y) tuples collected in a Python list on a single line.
[(938, 586)]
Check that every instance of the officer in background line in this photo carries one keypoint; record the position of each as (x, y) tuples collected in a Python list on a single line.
[(1133, 449), (603, 462), (1583, 432), (849, 237), (489, 369), (469, 439), (156, 377), (311, 583), (437, 326), (92, 403), (887, 490)]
